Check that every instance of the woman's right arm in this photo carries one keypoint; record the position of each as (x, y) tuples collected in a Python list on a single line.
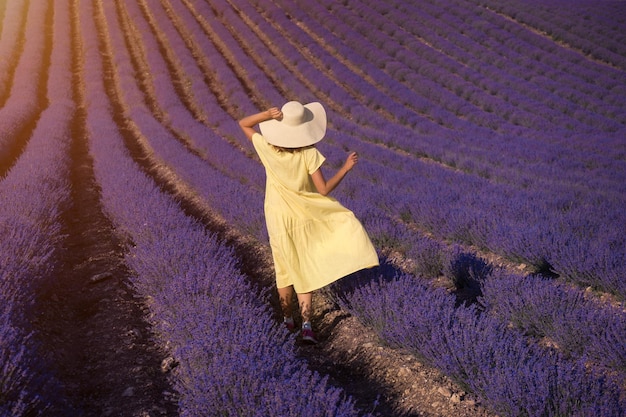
[(247, 123)]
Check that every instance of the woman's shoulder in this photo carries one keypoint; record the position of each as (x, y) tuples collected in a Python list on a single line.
[(256, 136), (259, 142)]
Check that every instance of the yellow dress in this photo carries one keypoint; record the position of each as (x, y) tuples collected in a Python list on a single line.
[(314, 239)]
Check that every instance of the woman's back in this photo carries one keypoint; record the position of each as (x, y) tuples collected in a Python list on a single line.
[(288, 168)]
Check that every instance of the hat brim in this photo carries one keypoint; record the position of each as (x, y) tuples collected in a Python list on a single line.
[(309, 132)]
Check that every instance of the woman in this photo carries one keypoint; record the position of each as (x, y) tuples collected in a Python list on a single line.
[(314, 239)]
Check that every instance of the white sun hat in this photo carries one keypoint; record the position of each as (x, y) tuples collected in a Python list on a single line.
[(301, 125)]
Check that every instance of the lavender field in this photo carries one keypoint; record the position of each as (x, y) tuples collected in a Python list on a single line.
[(492, 143)]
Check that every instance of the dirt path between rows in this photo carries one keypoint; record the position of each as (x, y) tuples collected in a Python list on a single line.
[(90, 321)]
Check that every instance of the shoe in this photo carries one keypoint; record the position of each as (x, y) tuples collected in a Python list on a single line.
[(309, 336), (289, 324)]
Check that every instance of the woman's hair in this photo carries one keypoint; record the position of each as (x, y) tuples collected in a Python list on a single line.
[(280, 149)]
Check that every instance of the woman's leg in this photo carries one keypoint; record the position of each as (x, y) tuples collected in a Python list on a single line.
[(304, 301), (285, 295)]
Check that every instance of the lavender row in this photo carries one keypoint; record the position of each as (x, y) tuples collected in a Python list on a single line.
[(552, 52), (591, 87), (350, 44), (35, 192), (514, 153), (11, 26), (598, 32), (236, 69), (585, 95), (266, 78), (394, 41), (561, 317), (512, 376), (200, 135), (516, 44), (233, 67), (217, 324), (346, 91), (30, 237), (464, 72), (160, 142), (458, 12), (303, 72), (413, 67), (195, 46), (20, 108), (464, 92)]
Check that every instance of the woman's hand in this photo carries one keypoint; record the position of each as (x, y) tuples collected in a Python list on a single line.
[(351, 161), (325, 187), (274, 113), (247, 123)]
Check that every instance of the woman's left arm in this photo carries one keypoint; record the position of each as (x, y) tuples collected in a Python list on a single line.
[(325, 187), (247, 123)]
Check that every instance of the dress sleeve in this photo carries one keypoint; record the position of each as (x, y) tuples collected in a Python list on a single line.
[(258, 142), (261, 146), (314, 160)]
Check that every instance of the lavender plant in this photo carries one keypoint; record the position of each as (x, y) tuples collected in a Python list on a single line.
[(21, 110), (34, 192), (567, 318), (514, 377)]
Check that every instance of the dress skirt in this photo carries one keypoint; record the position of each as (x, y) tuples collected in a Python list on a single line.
[(314, 240)]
